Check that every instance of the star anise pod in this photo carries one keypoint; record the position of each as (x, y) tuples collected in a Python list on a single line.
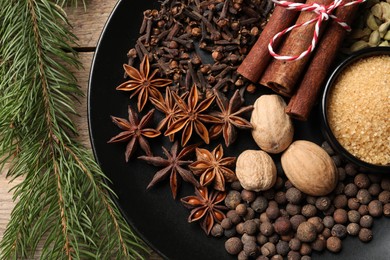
[(212, 167), (134, 132), (173, 165), (142, 83), (191, 117), (229, 118), (204, 206), (169, 108)]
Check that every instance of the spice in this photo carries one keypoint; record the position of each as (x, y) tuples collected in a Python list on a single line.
[(143, 83), (192, 117), (359, 108), (307, 92), (212, 167), (258, 58), (173, 166), (134, 132), (204, 205), (229, 118)]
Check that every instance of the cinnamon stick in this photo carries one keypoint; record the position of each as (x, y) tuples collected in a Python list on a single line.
[(282, 76), (306, 95), (254, 64)]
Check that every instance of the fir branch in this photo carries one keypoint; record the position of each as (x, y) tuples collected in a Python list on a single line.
[(63, 200)]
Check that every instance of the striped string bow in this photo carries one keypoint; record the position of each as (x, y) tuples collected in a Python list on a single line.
[(324, 13)]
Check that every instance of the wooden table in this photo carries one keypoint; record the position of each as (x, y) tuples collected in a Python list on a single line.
[(87, 26)]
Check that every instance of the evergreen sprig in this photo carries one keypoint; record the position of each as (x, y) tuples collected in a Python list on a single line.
[(63, 202)]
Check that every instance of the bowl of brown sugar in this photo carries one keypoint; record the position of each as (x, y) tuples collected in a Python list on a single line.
[(356, 109)]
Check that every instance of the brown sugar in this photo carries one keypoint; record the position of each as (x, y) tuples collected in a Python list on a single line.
[(359, 109)]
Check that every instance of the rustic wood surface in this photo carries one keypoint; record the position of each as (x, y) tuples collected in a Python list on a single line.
[(87, 26)]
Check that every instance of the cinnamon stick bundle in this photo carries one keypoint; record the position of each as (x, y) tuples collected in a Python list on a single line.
[(306, 95), (282, 76), (254, 64)]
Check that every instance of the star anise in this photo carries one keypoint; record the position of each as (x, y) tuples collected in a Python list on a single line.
[(204, 206), (229, 118), (134, 132), (142, 83), (191, 117), (173, 165), (212, 167), (169, 108)]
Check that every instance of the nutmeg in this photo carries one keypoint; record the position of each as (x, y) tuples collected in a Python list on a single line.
[(255, 170), (309, 168), (272, 128)]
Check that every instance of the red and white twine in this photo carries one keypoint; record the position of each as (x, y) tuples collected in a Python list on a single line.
[(324, 13)]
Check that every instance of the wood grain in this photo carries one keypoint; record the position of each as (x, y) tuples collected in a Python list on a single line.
[(87, 25)]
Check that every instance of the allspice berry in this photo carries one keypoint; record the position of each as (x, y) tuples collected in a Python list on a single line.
[(362, 181), (340, 216), (363, 196), (293, 255), (250, 248), (353, 229), (333, 244), (233, 245), (340, 201), (294, 244), (282, 225), (296, 220), (350, 190), (353, 216), (317, 222), (266, 228), (339, 231), (268, 249), (366, 221), (375, 208), (293, 209), (293, 195), (250, 227), (260, 204), (248, 196), (319, 244), (309, 210), (365, 235), (272, 212), (305, 249), (384, 197), (306, 232), (233, 198), (241, 209), (323, 203), (386, 210), (282, 248)]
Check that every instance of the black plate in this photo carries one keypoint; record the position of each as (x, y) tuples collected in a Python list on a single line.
[(160, 220)]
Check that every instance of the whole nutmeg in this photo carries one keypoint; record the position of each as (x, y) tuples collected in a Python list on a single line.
[(309, 168), (272, 128), (255, 170)]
